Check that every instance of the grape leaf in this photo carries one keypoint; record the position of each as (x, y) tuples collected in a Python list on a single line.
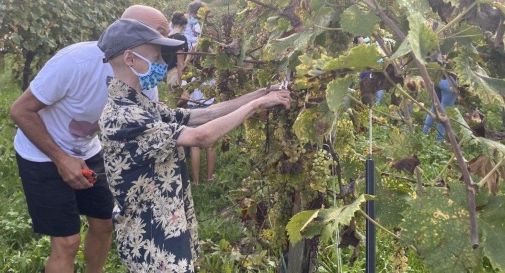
[(415, 6), (323, 222), (492, 223), (490, 148), (438, 226), (280, 48), (469, 72), (463, 35), (358, 58), (402, 50), (297, 222), (482, 166), (336, 94), (358, 22), (313, 123), (422, 39)]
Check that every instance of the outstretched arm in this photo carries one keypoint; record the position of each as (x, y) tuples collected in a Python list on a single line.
[(205, 135), (204, 115)]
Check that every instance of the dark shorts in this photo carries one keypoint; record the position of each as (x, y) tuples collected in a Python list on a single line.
[(54, 206)]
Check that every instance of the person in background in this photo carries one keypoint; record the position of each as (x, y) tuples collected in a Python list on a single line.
[(57, 138), (193, 28), (141, 140), (379, 94), (178, 22), (447, 93), (198, 100)]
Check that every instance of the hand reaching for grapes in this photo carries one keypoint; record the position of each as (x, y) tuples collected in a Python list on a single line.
[(275, 98)]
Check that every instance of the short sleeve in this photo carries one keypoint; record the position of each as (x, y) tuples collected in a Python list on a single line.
[(53, 82), (169, 115)]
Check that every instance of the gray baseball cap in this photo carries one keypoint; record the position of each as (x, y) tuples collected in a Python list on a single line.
[(124, 34)]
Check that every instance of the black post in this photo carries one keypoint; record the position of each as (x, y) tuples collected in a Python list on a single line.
[(370, 210)]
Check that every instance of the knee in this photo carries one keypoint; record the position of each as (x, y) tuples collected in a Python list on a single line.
[(67, 245), (102, 227)]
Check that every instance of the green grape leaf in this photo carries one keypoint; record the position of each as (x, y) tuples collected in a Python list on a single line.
[(402, 50), (311, 223), (415, 6), (492, 149), (492, 224), (390, 203), (463, 35), (285, 47), (313, 123), (357, 58), (437, 225), (422, 39), (490, 90), (358, 22), (336, 94), (343, 215), (298, 222)]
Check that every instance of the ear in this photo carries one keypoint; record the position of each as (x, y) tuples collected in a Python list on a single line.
[(128, 57)]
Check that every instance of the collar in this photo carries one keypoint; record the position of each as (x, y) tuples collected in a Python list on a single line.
[(120, 90)]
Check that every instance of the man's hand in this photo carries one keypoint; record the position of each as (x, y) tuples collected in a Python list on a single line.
[(69, 169), (275, 98)]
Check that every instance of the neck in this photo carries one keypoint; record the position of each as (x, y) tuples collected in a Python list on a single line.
[(126, 75)]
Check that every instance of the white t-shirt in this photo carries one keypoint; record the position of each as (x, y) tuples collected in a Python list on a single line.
[(73, 85)]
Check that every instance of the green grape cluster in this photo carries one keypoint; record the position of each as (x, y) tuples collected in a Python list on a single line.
[(320, 170), (344, 139), (293, 151)]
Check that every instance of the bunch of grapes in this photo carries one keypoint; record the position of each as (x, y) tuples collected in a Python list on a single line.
[(344, 139), (320, 170)]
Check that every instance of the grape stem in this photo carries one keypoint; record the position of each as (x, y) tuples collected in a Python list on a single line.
[(379, 225)]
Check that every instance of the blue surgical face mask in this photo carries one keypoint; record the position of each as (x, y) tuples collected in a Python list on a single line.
[(154, 75)]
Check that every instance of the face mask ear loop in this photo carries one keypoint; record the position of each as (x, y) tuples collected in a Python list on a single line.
[(148, 63)]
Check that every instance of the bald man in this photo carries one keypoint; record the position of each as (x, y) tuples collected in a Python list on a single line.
[(57, 138)]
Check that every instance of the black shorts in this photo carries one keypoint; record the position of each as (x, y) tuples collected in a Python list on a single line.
[(54, 206)]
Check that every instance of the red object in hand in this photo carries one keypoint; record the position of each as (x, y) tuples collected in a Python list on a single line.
[(90, 175)]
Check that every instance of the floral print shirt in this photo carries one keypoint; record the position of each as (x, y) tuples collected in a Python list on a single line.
[(156, 226)]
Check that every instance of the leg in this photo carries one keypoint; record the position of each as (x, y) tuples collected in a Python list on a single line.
[(53, 209), (211, 163), (63, 251), (195, 164), (97, 244), (448, 100), (428, 121), (378, 96)]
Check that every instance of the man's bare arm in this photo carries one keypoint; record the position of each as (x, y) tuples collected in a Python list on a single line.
[(207, 134), (24, 112), (204, 115)]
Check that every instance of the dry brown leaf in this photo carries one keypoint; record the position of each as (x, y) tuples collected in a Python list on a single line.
[(481, 166)]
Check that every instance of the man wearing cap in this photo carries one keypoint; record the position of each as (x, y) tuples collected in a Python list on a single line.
[(57, 137), (141, 139)]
